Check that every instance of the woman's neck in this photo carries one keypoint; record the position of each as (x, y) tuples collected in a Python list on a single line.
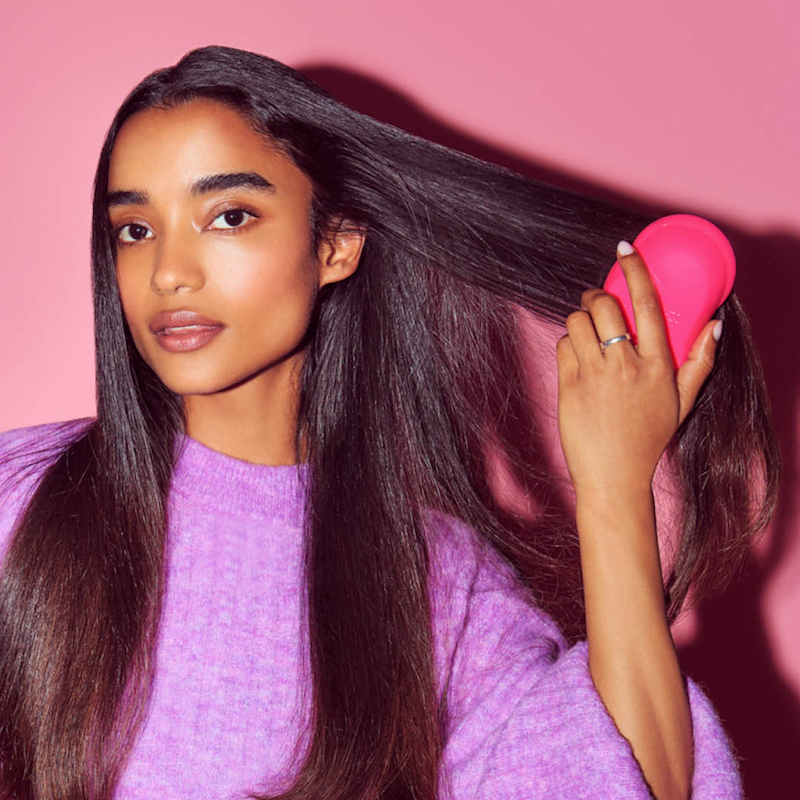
[(255, 421)]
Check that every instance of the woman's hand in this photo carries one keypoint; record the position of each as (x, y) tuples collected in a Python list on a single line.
[(619, 408)]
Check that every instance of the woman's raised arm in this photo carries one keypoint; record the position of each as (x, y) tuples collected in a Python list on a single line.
[(619, 407)]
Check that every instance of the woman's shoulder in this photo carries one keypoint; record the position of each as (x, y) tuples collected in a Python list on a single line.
[(457, 549), (470, 576), (22, 448), (25, 454), (45, 433)]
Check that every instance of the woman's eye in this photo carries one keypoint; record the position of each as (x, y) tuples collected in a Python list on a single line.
[(233, 218), (132, 232)]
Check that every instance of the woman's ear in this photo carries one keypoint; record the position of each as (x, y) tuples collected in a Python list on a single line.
[(340, 251)]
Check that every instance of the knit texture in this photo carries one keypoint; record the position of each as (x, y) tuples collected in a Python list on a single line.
[(230, 700)]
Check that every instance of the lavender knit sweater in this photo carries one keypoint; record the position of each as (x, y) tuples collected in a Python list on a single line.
[(230, 699)]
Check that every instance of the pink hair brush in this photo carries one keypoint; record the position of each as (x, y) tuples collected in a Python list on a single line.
[(692, 266)]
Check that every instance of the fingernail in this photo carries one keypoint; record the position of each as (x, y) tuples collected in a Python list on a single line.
[(624, 248), (717, 332)]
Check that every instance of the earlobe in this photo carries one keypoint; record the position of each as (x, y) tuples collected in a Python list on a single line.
[(340, 253)]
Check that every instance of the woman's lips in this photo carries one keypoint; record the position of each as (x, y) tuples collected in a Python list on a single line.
[(183, 339), (183, 330)]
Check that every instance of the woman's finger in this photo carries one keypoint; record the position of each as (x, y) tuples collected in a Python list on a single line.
[(697, 367), (567, 360), (583, 337), (651, 331), (607, 318)]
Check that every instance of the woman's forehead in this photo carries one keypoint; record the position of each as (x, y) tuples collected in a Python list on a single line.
[(177, 146)]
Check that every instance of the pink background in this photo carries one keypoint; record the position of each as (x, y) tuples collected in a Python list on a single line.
[(690, 105)]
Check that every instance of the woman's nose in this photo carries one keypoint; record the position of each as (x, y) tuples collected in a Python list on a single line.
[(177, 263)]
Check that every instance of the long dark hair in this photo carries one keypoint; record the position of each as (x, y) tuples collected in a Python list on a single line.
[(413, 367)]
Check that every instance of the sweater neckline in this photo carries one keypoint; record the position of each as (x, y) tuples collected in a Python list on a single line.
[(221, 482)]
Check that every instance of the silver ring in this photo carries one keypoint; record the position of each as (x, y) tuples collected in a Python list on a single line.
[(624, 338)]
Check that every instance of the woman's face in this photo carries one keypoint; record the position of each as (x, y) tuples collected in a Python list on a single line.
[(210, 220)]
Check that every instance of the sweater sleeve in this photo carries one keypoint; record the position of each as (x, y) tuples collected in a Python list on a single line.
[(524, 717)]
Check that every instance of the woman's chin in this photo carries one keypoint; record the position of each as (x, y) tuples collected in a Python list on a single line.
[(194, 385)]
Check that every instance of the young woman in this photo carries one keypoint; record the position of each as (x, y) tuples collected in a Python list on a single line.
[(273, 565)]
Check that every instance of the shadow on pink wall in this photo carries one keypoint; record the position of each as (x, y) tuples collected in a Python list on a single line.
[(731, 655)]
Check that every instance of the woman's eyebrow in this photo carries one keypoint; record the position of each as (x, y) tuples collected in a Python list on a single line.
[(204, 185), (230, 180)]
